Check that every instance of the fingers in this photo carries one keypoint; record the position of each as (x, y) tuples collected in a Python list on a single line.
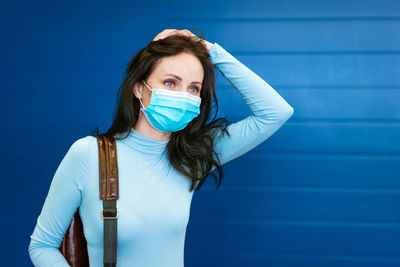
[(164, 34), (169, 32)]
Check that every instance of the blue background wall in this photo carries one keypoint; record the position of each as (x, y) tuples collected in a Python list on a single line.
[(324, 190)]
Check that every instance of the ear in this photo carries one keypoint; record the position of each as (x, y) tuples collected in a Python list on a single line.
[(137, 90)]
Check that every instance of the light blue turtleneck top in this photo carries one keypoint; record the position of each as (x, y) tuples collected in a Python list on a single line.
[(154, 198)]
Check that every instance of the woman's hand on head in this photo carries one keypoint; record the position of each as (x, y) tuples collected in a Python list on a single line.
[(185, 32)]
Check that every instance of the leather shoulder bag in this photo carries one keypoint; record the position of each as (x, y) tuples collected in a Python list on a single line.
[(74, 245)]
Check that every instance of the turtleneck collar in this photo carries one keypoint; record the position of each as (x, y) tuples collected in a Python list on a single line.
[(144, 144)]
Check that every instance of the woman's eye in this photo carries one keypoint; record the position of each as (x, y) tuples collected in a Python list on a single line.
[(195, 91), (169, 82)]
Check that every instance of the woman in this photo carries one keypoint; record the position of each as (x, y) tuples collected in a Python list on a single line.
[(166, 147)]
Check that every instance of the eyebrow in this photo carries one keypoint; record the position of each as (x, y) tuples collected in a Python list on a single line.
[(179, 78)]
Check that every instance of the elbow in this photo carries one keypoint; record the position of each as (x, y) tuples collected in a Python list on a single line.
[(286, 113), (278, 117), (291, 111), (33, 249), (36, 248)]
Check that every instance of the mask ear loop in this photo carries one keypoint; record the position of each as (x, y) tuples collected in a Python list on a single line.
[(140, 99), (147, 86)]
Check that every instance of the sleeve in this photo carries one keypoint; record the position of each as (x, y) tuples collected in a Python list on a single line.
[(61, 203), (269, 110)]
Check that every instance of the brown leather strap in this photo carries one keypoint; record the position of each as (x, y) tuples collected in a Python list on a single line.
[(109, 193), (108, 168)]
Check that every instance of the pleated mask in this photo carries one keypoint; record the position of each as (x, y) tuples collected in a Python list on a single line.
[(170, 111)]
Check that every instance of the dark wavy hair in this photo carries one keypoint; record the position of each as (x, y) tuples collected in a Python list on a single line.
[(190, 150)]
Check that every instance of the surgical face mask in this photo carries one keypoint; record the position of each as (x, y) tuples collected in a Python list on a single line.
[(170, 111)]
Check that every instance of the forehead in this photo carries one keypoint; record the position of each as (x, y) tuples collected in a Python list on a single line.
[(185, 65)]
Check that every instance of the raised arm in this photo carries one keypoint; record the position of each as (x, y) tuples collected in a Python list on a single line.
[(269, 110), (62, 200)]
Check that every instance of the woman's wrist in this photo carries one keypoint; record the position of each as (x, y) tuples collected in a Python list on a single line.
[(208, 45)]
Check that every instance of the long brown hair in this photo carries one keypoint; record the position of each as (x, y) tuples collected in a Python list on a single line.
[(190, 150)]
